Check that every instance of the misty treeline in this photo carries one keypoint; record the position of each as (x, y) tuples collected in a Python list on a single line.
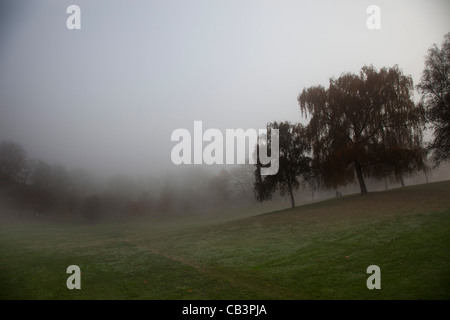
[(362, 126), (33, 188)]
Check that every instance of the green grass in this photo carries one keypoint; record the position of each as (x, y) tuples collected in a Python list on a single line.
[(316, 251)]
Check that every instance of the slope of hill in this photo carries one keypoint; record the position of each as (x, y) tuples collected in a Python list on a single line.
[(316, 251)]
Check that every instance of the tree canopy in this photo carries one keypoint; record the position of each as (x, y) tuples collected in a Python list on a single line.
[(12, 161), (294, 162), (360, 122), (435, 89)]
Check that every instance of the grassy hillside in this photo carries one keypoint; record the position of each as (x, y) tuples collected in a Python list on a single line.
[(316, 251)]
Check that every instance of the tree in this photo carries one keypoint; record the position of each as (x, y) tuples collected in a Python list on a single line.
[(313, 178), (12, 161), (92, 208), (51, 189), (353, 119), (435, 89), (27, 171), (241, 183), (293, 162), (426, 164), (42, 183), (399, 155), (219, 186), (167, 194)]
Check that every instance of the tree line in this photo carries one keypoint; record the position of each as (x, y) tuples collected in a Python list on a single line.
[(364, 125), (34, 188), (361, 126)]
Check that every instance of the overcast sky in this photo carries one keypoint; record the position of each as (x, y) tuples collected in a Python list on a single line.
[(107, 97)]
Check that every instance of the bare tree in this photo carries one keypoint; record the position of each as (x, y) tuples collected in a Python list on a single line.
[(435, 89)]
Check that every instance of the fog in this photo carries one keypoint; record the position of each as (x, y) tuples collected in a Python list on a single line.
[(107, 97), (98, 105)]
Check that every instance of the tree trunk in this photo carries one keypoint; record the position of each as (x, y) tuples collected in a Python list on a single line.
[(362, 184), (292, 195), (385, 183), (402, 181), (426, 174)]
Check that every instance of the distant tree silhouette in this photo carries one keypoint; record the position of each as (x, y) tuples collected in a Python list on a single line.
[(220, 187), (12, 161), (42, 182), (435, 89), (91, 208), (293, 163), (241, 183), (354, 119)]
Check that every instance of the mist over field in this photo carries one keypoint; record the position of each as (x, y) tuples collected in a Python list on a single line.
[(108, 96), (92, 92)]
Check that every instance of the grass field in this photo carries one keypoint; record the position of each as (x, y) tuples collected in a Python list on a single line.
[(316, 251)]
